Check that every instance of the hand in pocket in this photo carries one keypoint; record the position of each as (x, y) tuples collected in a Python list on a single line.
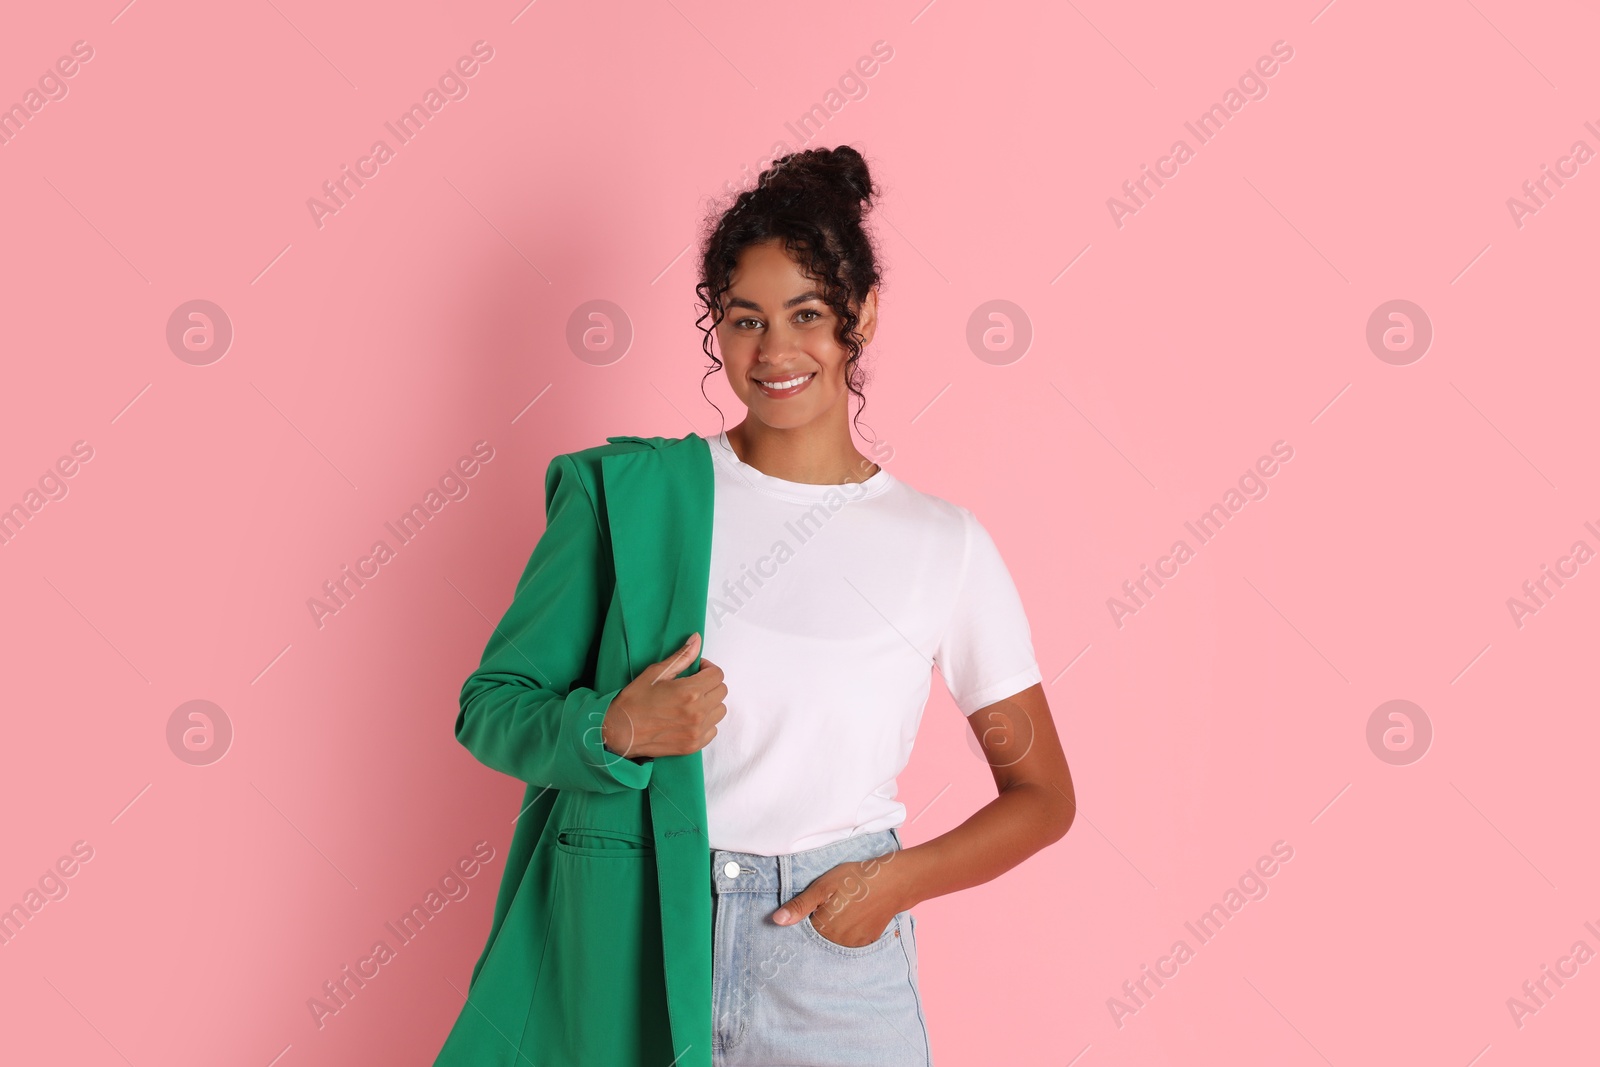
[(851, 905)]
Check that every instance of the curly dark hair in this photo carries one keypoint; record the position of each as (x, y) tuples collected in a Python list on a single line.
[(814, 202)]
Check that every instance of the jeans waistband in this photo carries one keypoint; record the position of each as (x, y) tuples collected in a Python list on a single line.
[(791, 872)]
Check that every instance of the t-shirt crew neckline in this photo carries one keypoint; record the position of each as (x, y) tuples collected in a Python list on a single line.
[(806, 492)]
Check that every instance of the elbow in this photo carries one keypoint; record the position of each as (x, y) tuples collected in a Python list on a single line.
[(470, 714), (464, 711), (1063, 811)]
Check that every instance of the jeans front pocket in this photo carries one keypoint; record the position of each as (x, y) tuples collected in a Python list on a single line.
[(890, 935)]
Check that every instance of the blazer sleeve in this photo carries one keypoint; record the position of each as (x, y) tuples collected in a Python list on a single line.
[(523, 712)]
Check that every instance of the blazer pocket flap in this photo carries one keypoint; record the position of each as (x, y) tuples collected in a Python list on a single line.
[(592, 840)]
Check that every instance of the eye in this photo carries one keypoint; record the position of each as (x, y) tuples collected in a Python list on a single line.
[(808, 311), (739, 324)]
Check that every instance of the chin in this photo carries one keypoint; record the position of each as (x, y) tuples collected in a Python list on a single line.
[(782, 420)]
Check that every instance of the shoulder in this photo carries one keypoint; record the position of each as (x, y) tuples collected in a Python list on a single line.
[(584, 466), (586, 461), (933, 510), (928, 525), (957, 530)]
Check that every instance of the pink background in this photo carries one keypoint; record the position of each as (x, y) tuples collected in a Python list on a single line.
[(1167, 354)]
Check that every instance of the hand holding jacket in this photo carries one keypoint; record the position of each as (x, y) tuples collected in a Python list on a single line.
[(660, 714)]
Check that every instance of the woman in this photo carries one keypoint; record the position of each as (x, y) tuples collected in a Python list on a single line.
[(821, 593)]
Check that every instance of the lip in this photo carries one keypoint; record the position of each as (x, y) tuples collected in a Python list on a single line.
[(784, 394)]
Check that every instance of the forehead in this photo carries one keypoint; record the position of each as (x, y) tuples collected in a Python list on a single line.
[(767, 263), (768, 275)]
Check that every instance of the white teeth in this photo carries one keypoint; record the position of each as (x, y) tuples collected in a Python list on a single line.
[(790, 383)]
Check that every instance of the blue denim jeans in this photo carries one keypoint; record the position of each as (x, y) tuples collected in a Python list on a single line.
[(785, 996)]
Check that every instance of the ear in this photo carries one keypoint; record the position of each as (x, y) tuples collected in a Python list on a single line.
[(868, 313)]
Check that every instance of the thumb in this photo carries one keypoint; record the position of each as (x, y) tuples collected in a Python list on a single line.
[(799, 905), (674, 665)]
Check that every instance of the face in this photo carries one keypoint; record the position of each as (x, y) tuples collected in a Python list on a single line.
[(779, 331)]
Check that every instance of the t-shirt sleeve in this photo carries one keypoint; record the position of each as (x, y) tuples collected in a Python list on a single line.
[(986, 653)]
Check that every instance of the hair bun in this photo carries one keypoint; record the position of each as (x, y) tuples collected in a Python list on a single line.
[(849, 169), (840, 171)]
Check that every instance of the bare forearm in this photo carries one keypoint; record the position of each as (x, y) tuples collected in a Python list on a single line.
[(1013, 826)]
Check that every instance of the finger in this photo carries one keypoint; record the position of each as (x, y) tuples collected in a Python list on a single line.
[(799, 906), (706, 686), (678, 662), (700, 682)]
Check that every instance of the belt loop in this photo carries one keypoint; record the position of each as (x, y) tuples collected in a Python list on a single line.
[(785, 877)]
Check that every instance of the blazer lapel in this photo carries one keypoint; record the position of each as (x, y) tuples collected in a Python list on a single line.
[(659, 507)]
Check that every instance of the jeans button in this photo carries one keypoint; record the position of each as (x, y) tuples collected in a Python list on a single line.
[(731, 868)]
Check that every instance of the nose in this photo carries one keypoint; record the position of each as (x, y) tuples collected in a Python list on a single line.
[(776, 346)]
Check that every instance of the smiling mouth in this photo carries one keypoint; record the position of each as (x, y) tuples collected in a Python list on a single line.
[(785, 387)]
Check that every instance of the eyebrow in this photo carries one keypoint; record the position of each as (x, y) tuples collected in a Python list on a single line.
[(737, 302)]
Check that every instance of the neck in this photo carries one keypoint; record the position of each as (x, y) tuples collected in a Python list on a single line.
[(818, 453)]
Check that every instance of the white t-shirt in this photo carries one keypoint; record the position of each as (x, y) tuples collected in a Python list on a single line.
[(829, 608)]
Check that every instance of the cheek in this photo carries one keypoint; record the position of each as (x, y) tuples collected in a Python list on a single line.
[(733, 354), (833, 364), (738, 368)]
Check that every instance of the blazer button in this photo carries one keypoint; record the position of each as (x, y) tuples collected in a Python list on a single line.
[(731, 869)]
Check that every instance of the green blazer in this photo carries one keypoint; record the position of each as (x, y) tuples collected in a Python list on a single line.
[(599, 952)]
